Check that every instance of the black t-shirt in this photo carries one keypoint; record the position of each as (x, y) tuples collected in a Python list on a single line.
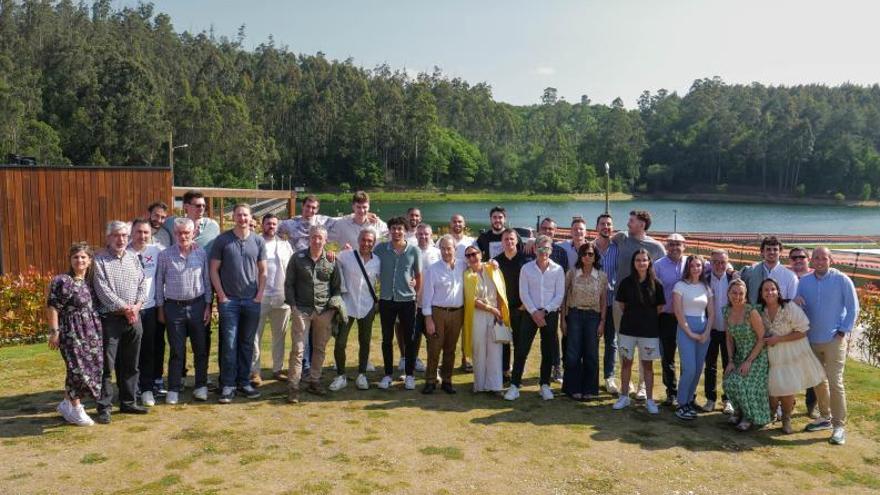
[(510, 268), (640, 318), (489, 243)]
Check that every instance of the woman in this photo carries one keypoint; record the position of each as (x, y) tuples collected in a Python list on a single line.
[(745, 378), (693, 304), (75, 329), (583, 321), (793, 366), (640, 296), (485, 302)]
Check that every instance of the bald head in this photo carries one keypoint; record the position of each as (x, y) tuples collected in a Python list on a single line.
[(821, 260)]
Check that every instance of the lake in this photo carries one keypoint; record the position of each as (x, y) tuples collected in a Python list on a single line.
[(689, 216)]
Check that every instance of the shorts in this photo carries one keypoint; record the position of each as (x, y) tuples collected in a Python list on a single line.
[(649, 347)]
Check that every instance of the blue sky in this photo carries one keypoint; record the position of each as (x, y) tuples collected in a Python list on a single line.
[(604, 49)]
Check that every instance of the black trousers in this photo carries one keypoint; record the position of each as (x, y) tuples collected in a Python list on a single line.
[(389, 313), (668, 329), (516, 317), (523, 344), (148, 362), (717, 342), (365, 334), (122, 345)]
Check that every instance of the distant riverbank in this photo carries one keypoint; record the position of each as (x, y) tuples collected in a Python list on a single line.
[(471, 197), (757, 199)]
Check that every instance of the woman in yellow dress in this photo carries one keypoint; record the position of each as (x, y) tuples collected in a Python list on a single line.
[(485, 302)]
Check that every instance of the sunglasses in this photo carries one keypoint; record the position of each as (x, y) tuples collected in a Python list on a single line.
[(589, 253), (545, 249), (798, 257), (470, 255), (203, 205)]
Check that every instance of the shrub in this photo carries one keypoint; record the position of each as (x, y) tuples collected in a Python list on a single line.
[(22, 306), (869, 319), (800, 190), (839, 197)]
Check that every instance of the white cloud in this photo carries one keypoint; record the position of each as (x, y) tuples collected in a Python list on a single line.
[(545, 71)]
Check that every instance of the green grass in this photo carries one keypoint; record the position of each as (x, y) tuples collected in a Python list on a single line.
[(448, 453), (93, 458)]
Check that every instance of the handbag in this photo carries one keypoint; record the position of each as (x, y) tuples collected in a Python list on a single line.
[(503, 334)]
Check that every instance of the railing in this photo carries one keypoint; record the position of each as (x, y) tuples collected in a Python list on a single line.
[(219, 194)]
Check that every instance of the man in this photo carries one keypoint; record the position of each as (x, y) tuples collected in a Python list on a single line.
[(399, 282), (718, 279), (273, 309), (489, 242), (510, 262), (206, 230), (158, 213), (797, 257), (346, 230), (296, 229), (829, 299), (560, 257), (541, 289), (183, 298), (360, 274), (457, 227), (414, 218), (669, 270), (149, 360), (636, 237), (769, 267), (430, 254), (608, 253), (312, 283), (121, 291), (238, 275), (443, 306), (578, 238)]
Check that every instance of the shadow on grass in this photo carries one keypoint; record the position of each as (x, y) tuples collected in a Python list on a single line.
[(25, 415)]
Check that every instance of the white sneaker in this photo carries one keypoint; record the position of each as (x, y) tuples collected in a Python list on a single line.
[(622, 402), (512, 393), (173, 397), (420, 365), (63, 408), (838, 436), (401, 365), (630, 389), (385, 383), (728, 408), (361, 382), (409, 382), (147, 399), (546, 392), (80, 417), (642, 394), (338, 383), (651, 407), (370, 367), (709, 406), (200, 394), (611, 386)]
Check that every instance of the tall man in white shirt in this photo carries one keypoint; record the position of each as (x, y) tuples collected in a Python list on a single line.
[(457, 226), (273, 309), (769, 267), (541, 289), (443, 306), (360, 274), (414, 216), (149, 359), (345, 230)]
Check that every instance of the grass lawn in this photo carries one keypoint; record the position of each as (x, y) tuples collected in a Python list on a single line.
[(403, 442)]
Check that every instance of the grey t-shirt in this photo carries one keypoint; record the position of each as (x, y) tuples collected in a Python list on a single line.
[(396, 271), (627, 246), (238, 263)]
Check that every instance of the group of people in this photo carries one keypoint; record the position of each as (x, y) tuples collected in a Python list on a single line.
[(778, 331)]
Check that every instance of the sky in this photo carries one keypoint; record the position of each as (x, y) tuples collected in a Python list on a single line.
[(602, 49)]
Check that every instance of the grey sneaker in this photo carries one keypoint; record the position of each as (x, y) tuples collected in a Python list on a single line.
[(249, 391), (838, 437), (226, 396), (819, 425)]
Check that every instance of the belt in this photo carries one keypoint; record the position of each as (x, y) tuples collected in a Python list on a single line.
[(441, 308), (184, 302), (584, 309)]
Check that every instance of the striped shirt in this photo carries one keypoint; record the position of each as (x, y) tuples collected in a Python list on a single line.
[(182, 279), (119, 281)]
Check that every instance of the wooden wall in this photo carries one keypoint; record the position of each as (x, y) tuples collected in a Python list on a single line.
[(45, 209)]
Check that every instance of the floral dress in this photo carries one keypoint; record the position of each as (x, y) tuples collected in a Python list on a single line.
[(80, 337), (748, 393)]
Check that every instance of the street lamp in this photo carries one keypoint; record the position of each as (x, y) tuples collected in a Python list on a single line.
[(607, 184), (674, 220), (171, 149)]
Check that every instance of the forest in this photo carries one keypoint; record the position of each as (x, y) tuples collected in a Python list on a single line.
[(84, 84)]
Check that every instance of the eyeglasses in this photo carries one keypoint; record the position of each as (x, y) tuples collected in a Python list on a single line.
[(544, 249), (798, 257), (200, 205), (470, 255), (589, 253)]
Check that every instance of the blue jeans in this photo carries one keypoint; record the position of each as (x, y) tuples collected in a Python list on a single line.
[(610, 337), (692, 356), (238, 328), (582, 352)]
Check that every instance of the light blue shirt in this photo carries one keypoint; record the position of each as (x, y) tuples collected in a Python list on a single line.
[(831, 304), (669, 273)]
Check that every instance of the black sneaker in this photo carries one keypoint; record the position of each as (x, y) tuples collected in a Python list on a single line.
[(103, 417), (249, 391), (684, 413), (226, 395)]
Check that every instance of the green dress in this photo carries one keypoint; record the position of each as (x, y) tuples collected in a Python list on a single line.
[(748, 393)]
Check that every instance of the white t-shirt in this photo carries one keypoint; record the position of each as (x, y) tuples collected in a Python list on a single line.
[(694, 297), (149, 259)]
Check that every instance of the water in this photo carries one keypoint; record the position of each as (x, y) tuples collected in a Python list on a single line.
[(667, 215)]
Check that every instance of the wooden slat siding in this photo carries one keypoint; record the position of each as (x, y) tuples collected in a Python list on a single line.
[(45, 209)]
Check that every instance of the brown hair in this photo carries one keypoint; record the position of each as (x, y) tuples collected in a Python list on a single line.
[(360, 197), (644, 216), (77, 247)]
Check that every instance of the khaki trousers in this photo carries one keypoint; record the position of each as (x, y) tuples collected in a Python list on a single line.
[(277, 317), (319, 325), (448, 327), (831, 394)]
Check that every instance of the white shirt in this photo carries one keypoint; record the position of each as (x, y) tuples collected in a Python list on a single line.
[(719, 287), (149, 259), (694, 297), (443, 286), (346, 231), (278, 254), (460, 246), (430, 255), (541, 290), (786, 279), (355, 292)]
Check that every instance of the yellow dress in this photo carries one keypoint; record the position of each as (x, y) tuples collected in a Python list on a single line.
[(793, 366), (470, 294)]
